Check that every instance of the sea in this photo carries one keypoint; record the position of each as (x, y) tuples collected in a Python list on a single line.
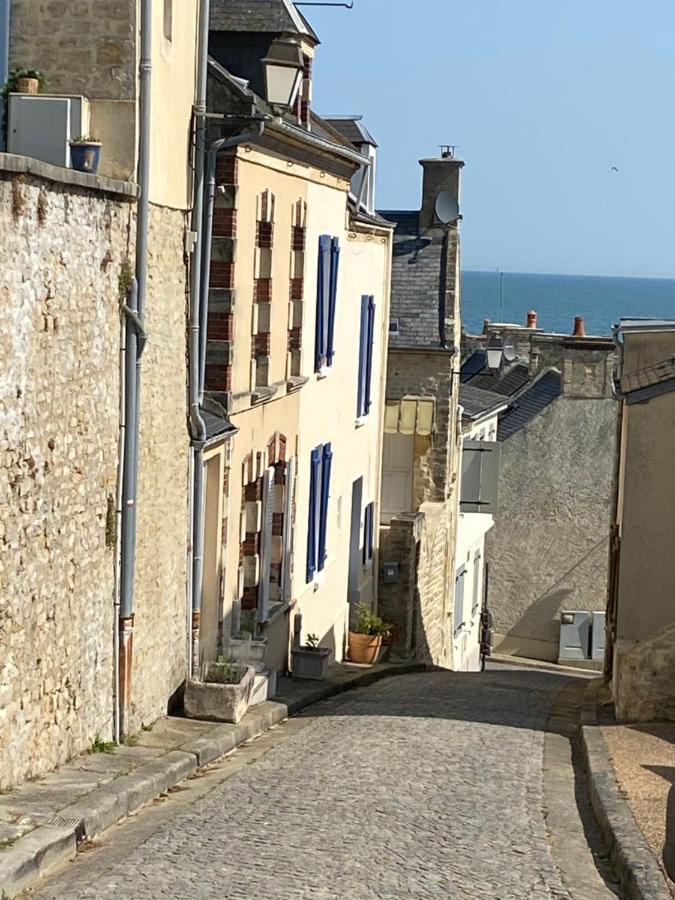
[(557, 299)]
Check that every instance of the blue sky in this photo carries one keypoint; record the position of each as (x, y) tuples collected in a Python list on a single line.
[(542, 98)]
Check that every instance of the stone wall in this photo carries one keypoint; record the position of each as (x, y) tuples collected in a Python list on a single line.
[(83, 46), (63, 248), (549, 548), (644, 678), (160, 638)]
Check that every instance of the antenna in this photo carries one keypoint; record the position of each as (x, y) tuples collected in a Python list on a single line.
[(510, 350), (447, 208)]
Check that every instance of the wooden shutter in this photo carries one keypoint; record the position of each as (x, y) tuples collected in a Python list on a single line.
[(332, 299), (322, 301), (477, 573), (266, 545), (326, 464), (287, 540), (480, 476), (363, 359), (314, 494), (368, 533), (369, 353), (460, 578)]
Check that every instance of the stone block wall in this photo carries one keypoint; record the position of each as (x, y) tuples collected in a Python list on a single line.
[(160, 634), (82, 46), (644, 678), (62, 252)]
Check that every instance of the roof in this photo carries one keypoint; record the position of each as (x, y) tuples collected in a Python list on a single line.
[(218, 426), (477, 403), (626, 325), (261, 16), (505, 381), (528, 404), (351, 129)]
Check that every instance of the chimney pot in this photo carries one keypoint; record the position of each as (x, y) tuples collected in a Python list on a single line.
[(579, 327), (486, 326), (532, 319)]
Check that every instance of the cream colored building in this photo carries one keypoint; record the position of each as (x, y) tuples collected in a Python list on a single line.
[(641, 610)]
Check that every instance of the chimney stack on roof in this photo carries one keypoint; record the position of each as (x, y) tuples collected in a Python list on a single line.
[(441, 175), (579, 327), (486, 326), (532, 319)]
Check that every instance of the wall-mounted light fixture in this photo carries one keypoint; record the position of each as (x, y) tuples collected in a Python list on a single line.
[(284, 69)]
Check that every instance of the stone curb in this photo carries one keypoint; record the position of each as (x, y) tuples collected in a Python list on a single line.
[(631, 858), (48, 845)]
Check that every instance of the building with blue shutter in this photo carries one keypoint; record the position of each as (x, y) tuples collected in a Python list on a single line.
[(295, 355)]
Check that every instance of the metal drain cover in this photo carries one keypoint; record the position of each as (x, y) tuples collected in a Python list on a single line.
[(76, 825)]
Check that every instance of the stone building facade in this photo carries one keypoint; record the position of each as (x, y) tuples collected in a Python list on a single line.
[(64, 251), (548, 550)]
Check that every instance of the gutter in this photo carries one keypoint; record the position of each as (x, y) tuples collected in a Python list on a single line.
[(306, 137)]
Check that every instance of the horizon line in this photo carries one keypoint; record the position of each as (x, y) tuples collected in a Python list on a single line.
[(568, 274)]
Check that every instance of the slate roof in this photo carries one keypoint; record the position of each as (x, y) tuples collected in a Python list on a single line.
[(529, 403), (472, 365), (351, 128), (415, 274), (477, 402), (507, 381), (262, 16)]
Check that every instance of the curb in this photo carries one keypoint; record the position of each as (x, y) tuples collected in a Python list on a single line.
[(52, 843), (524, 662), (631, 858)]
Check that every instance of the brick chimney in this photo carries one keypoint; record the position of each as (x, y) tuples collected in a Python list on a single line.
[(440, 174), (579, 327), (532, 319)]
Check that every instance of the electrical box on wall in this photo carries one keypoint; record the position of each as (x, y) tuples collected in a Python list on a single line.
[(391, 575), (575, 634), (40, 126)]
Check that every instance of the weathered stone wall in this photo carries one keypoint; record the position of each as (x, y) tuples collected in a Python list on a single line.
[(160, 636), (548, 550), (644, 677), (82, 46), (62, 249)]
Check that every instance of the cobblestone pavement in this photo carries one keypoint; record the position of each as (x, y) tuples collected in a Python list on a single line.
[(422, 786)]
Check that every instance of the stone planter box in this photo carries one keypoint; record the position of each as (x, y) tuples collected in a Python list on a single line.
[(237, 648), (310, 664), (218, 702)]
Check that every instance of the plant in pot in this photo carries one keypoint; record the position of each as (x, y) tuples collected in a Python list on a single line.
[(223, 695), (311, 660), (25, 81), (365, 642), (85, 153)]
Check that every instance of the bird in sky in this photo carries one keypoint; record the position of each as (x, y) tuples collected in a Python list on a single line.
[(613, 169)]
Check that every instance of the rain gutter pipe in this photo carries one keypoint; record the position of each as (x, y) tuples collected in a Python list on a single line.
[(136, 337)]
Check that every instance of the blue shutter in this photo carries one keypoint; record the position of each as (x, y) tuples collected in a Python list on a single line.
[(369, 353), (325, 491), (322, 293), (363, 358), (315, 463), (332, 298)]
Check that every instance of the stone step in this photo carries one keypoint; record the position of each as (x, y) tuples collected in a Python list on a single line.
[(264, 687)]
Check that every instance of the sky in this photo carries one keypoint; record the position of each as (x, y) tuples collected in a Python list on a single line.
[(542, 98)]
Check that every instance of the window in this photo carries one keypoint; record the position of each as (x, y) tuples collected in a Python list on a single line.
[(326, 296), (368, 533), (460, 578), (168, 20), (477, 583), (363, 402), (319, 492)]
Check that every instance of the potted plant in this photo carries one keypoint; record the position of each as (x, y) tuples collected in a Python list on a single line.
[(85, 154), (25, 81), (365, 642), (310, 661), (223, 695)]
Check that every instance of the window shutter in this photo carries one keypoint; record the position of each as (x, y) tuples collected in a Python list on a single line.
[(369, 353), (266, 545), (368, 532), (480, 476), (477, 573), (287, 540), (332, 298), (363, 362), (325, 492), (322, 305), (314, 493), (459, 599)]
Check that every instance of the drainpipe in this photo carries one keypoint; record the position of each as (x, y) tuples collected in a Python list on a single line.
[(135, 341), (4, 60)]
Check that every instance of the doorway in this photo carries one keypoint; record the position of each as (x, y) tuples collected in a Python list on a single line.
[(397, 475)]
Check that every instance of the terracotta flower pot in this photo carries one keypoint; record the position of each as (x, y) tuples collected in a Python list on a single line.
[(27, 85), (364, 648)]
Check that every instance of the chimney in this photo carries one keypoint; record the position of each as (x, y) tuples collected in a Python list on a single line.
[(441, 175), (579, 327), (532, 319), (486, 326)]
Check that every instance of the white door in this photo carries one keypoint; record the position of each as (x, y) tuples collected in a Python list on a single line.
[(397, 474)]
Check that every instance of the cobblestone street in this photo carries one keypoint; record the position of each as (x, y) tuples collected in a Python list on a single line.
[(425, 785)]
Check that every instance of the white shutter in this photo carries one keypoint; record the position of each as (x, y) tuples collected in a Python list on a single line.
[(266, 545), (287, 561)]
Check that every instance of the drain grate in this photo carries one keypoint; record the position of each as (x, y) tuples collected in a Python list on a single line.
[(77, 825)]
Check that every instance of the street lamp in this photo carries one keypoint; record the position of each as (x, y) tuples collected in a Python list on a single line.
[(495, 350), (284, 68)]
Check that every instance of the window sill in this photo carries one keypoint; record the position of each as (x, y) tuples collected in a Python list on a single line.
[(360, 421), (323, 372)]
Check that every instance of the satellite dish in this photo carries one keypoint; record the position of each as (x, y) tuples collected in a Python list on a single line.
[(447, 208), (510, 350)]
